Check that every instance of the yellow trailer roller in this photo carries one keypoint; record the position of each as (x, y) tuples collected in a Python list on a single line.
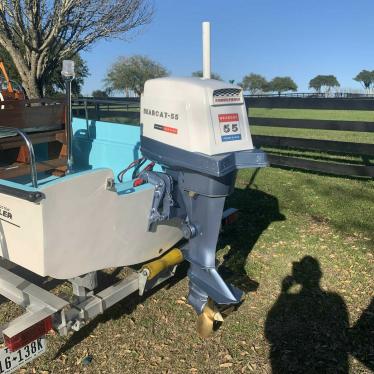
[(172, 258)]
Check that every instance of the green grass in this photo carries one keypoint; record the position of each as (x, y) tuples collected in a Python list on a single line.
[(344, 136), (345, 205), (342, 115), (284, 217), (287, 216)]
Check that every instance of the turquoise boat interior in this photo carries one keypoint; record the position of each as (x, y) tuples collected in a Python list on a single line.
[(96, 145)]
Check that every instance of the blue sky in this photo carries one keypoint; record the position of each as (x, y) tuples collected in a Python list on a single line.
[(299, 38)]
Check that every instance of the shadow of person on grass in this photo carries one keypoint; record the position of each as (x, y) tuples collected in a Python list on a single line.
[(308, 329), (362, 337), (257, 210)]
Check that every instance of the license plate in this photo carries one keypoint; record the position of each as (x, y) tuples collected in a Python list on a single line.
[(10, 361)]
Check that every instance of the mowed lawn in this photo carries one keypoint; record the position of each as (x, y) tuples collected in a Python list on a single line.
[(302, 249)]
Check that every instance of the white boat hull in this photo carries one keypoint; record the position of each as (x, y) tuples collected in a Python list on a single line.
[(81, 226)]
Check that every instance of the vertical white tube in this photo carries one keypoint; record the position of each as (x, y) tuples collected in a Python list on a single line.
[(206, 50)]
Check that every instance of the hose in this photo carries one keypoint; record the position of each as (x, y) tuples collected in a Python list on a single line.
[(134, 163)]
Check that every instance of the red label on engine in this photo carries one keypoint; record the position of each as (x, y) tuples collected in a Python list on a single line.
[(228, 117), (171, 130), (226, 100)]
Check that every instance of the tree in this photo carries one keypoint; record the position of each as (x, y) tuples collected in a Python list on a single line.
[(100, 94), (366, 78), (199, 74), (254, 83), (320, 81), (316, 83), (282, 84), (56, 84), (39, 34), (130, 73)]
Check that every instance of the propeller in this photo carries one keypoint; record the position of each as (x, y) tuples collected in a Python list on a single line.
[(206, 320)]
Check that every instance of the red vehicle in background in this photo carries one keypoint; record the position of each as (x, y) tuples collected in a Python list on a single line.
[(9, 90)]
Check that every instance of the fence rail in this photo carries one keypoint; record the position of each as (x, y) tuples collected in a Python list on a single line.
[(314, 145), (310, 103), (321, 166), (321, 95), (106, 108)]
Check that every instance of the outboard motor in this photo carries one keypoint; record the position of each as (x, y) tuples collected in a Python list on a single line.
[(197, 130)]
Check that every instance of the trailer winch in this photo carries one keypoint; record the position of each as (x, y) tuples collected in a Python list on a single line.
[(93, 215)]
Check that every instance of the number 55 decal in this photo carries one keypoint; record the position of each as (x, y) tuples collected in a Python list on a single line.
[(229, 126)]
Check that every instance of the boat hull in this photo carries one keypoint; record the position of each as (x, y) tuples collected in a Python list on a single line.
[(82, 226)]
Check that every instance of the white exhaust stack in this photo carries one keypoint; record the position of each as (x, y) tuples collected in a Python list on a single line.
[(206, 50)]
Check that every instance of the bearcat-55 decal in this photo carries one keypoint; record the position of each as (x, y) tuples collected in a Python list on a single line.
[(161, 114)]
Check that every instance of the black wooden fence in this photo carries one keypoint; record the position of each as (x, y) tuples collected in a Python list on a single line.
[(362, 151), (321, 95), (113, 108), (126, 109)]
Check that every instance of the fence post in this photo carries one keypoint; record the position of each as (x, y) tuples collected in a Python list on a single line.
[(97, 110), (86, 115)]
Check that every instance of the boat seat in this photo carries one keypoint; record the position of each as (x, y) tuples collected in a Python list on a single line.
[(56, 166), (21, 167), (10, 142)]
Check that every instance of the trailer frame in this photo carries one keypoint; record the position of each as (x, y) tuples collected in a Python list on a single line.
[(40, 304)]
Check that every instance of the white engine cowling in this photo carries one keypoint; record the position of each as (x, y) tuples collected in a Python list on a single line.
[(197, 115)]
